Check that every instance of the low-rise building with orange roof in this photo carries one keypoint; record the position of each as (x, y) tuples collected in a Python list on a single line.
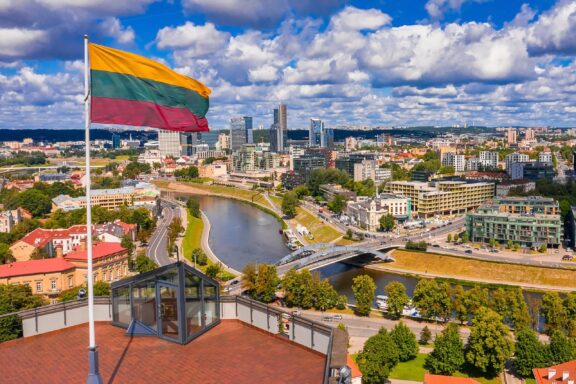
[(564, 373)]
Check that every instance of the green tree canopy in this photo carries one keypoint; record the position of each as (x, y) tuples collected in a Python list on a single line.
[(337, 204), (432, 299), (387, 223), (5, 254), (489, 344), (405, 342), (562, 348), (364, 289), (35, 202), (448, 354), (289, 204), (193, 206), (378, 357), (397, 297), (530, 352)]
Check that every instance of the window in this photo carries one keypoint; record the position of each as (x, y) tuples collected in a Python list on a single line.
[(70, 282), (53, 285), (104, 276), (38, 286)]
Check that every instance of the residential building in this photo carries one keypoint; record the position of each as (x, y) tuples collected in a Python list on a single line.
[(367, 211), (223, 141), (570, 226), (452, 159), (369, 169), (9, 219), (54, 242), (249, 159), (545, 157), (384, 139), (511, 136), (169, 143), (303, 165), (529, 135), (528, 221), (515, 158), (443, 197), (49, 277), (346, 161), (536, 170), (350, 144), (216, 169), (142, 194), (564, 373), (423, 176), (330, 191), (489, 159), (504, 188), (473, 164), (291, 179)]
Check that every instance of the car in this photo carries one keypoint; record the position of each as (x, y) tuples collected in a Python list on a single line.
[(327, 318), (337, 317), (435, 245), (567, 257), (234, 282), (296, 313), (468, 251)]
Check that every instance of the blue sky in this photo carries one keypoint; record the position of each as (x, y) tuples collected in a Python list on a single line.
[(359, 63)]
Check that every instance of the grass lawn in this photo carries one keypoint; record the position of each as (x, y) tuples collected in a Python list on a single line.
[(193, 235), (323, 233), (410, 370), (464, 268), (344, 241), (237, 193), (277, 200), (530, 381)]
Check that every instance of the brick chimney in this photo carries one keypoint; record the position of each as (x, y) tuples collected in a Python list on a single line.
[(59, 250), (83, 244)]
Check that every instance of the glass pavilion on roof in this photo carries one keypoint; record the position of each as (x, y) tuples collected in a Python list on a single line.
[(175, 302)]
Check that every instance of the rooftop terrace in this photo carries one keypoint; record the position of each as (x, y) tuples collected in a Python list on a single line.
[(232, 352)]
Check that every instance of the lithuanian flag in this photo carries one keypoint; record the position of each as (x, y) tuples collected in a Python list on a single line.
[(129, 89)]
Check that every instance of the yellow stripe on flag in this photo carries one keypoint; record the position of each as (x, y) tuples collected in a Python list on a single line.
[(113, 60)]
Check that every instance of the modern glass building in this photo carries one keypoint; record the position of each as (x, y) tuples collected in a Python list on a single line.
[(175, 302)]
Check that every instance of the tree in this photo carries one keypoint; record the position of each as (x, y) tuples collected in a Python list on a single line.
[(562, 348), (6, 254), (127, 243), (337, 204), (543, 248), (35, 202), (397, 297), (425, 335), (530, 352), (377, 358), (199, 257), (449, 238), (387, 223), (190, 172), (364, 289), (405, 341), (457, 296), (213, 270), (249, 276), (464, 237), (554, 311), (143, 263), (489, 345), (510, 244), (301, 191), (493, 243), (266, 283), (432, 299), (289, 204), (193, 206), (101, 288), (446, 170), (14, 298), (475, 298), (448, 354)]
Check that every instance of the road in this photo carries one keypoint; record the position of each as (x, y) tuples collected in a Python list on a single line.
[(157, 245)]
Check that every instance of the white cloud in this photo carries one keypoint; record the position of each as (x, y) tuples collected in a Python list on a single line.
[(196, 40), (111, 27), (351, 18), (555, 31), (437, 8), (263, 74), (16, 42)]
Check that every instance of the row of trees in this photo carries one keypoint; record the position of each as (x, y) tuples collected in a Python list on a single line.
[(187, 173)]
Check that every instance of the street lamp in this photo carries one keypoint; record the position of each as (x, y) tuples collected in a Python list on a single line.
[(177, 253)]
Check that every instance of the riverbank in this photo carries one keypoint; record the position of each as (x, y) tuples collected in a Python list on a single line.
[(453, 267), (254, 198)]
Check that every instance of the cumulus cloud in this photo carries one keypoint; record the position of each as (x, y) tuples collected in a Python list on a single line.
[(111, 27), (554, 32), (351, 18), (197, 40)]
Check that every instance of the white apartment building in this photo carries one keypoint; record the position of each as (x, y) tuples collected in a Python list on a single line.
[(350, 144), (366, 211), (545, 157), (169, 143), (451, 159), (489, 159), (515, 158), (473, 164), (8, 219), (369, 169)]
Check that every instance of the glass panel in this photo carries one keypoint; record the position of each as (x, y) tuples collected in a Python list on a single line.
[(121, 305), (144, 301), (193, 303), (170, 276), (209, 290), (169, 311), (210, 314)]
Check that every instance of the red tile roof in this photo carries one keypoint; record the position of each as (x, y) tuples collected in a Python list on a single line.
[(99, 250), (353, 366), (33, 267), (541, 374), (440, 379)]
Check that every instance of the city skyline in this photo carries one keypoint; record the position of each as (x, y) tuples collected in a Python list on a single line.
[(432, 62)]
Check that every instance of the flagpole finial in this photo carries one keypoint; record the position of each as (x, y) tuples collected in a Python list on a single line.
[(85, 36)]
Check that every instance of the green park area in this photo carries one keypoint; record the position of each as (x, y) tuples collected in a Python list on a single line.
[(193, 235), (476, 270), (323, 233)]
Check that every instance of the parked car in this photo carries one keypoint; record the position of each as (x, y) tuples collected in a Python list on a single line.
[(567, 257), (337, 317), (327, 318), (469, 251), (296, 313)]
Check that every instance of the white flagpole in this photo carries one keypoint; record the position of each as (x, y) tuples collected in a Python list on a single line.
[(93, 374)]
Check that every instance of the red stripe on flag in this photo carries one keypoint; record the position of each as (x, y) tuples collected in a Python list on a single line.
[(106, 110)]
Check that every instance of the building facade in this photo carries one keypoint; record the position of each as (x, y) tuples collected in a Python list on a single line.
[(443, 197), (315, 132), (529, 221), (366, 212), (249, 159), (239, 127), (489, 159), (369, 169)]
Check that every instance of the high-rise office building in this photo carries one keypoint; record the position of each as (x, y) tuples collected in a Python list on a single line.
[(327, 139), (169, 143), (315, 132), (279, 129), (115, 141), (239, 127)]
